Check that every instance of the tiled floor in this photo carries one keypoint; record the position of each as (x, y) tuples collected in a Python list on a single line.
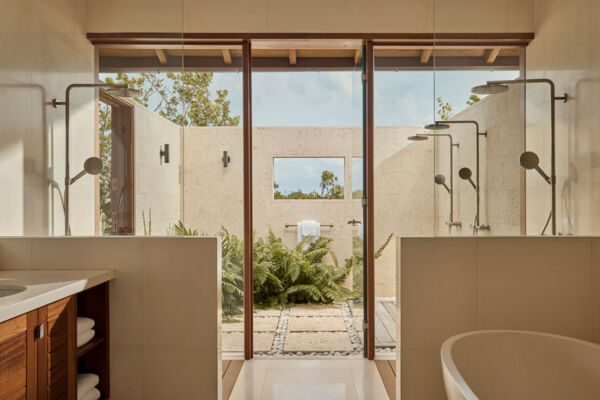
[(309, 379)]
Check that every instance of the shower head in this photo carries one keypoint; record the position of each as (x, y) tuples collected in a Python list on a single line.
[(490, 88), (530, 160), (418, 138), (92, 166), (465, 174), (440, 179), (123, 91), (437, 127)]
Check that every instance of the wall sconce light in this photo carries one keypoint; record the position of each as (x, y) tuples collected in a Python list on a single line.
[(226, 159), (165, 154)]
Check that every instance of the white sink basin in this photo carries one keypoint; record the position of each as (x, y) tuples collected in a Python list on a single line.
[(9, 290)]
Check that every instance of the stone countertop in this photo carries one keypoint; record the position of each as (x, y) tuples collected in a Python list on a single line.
[(46, 286)]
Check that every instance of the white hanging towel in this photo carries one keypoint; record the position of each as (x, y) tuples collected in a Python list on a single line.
[(361, 233), (308, 228)]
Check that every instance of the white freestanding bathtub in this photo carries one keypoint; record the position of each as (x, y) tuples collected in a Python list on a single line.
[(503, 365)]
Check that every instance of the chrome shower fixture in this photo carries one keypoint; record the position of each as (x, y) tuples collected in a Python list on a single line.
[(92, 166), (493, 87), (417, 138), (438, 126), (530, 160), (123, 91), (440, 179)]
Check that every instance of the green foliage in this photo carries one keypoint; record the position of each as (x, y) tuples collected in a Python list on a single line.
[(473, 99), (330, 189), (232, 255), (179, 229), (356, 262), (105, 143), (445, 109)]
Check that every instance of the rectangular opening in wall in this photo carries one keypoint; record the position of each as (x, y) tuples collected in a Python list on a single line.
[(308, 178)]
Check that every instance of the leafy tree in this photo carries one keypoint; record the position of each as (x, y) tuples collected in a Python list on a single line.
[(105, 144), (330, 189), (445, 109), (473, 99)]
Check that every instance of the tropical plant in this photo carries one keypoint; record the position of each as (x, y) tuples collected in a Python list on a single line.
[(147, 228), (232, 256), (445, 109), (330, 189), (356, 262), (179, 229), (473, 99)]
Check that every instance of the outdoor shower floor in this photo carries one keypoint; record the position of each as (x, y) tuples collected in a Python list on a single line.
[(309, 330)]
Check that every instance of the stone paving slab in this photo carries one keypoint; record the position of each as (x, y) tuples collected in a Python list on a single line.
[(314, 310), (271, 312), (234, 341), (317, 341), (261, 324), (315, 324)]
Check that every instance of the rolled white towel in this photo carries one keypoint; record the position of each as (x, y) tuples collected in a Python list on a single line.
[(84, 337), (84, 324), (86, 383), (92, 394)]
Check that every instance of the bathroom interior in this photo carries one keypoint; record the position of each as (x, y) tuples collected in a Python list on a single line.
[(317, 200)]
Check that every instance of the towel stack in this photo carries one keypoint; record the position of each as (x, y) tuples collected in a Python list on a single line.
[(85, 331), (86, 387)]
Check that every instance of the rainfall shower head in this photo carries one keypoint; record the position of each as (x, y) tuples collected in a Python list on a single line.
[(437, 127), (92, 166), (418, 138), (123, 91), (530, 160), (489, 88)]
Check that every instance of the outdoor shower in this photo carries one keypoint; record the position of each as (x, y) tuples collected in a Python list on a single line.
[(121, 90), (465, 174), (443, 125), (495, 87), (441, 179)]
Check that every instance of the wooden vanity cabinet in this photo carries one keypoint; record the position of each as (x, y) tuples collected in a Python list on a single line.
[(39, 358)]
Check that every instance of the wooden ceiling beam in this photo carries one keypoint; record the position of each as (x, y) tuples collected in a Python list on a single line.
[(293, 57), (226, 56), (161, 55), (491, 56), (426, 55)]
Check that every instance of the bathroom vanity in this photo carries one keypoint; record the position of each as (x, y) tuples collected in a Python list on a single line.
[(39, 357)]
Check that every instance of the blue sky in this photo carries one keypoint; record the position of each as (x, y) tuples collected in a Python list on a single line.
[(305, 173)]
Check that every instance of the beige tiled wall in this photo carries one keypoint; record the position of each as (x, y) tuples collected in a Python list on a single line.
[(310, 16), (165, 308), (447, 286)]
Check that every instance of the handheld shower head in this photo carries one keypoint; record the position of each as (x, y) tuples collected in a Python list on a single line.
[(465, 174), (440, 179), (489, 88), (530, 160), (92, 166), (417, 138)]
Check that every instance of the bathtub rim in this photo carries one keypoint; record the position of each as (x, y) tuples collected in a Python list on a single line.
[(450, 367)]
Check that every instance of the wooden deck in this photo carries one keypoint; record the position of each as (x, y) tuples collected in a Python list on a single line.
[(387, 371), (385, 323)]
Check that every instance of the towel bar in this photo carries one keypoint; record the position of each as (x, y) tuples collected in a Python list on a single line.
[(327, 225)]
